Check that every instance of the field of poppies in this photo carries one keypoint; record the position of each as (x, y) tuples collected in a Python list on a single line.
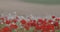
[(31, 23)]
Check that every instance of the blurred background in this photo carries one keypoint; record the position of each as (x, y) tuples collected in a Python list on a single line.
[(27, 7)]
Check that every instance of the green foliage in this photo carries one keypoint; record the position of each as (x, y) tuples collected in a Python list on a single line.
[(58, 30), (2, 25), (44, 1), (13, 31)]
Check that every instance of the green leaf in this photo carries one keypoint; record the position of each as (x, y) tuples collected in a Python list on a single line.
[(31, 29), (58, 30), (13, 31), (2, 25)]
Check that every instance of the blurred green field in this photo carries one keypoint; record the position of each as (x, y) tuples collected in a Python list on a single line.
[(43, 1)]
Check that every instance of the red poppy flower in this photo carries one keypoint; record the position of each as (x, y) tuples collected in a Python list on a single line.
[(44, 27), (23, 21), (8, 21), (27, 27), (56, 23), (6, 29), (44, 22), (17, 17), (57, 19), (52, 27), (14, 20), (12, 26), (40, 21), (29, 24), (2, 18), (45, 19), (34, 23), (53, 16), (50, 21), (37, 27), (44, 31), (48, 27)]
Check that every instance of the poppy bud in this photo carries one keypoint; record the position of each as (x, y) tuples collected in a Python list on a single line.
[(8, 21), (15, 20), (53, 16)]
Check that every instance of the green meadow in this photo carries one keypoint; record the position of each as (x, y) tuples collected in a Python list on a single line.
[(43, 1)]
